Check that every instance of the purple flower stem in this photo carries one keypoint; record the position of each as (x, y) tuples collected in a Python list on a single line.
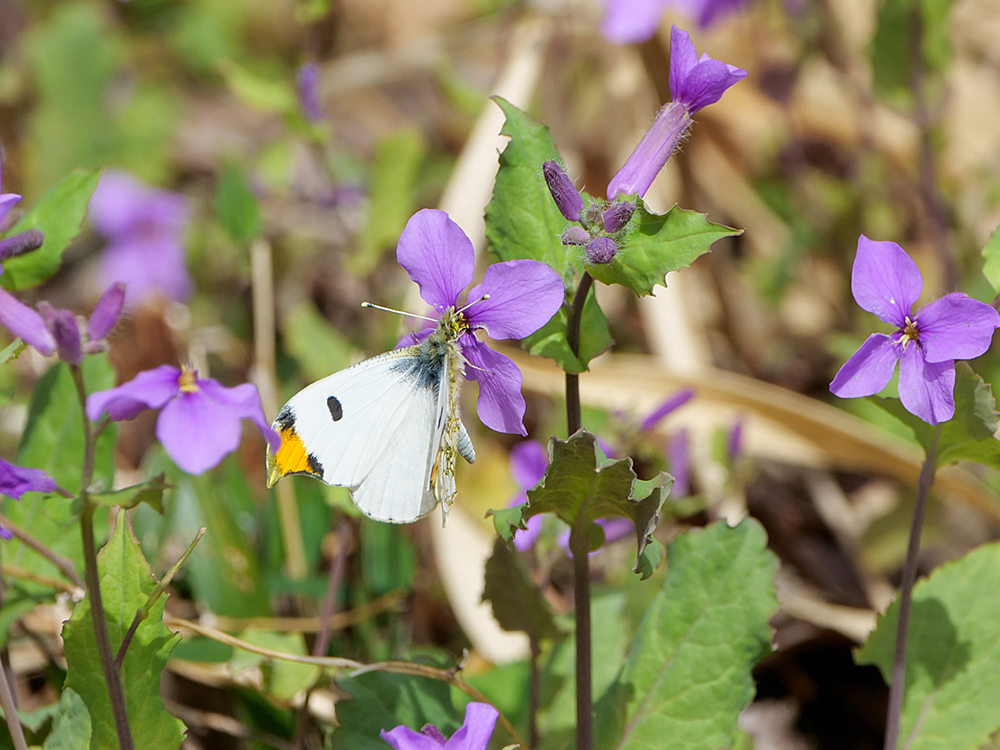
[(906, 595), (10, 712), (111, 676), (579, 542)]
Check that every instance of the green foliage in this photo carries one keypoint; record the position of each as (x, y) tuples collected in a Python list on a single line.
[(282, 679), (902, 25), (969, 435), (517, 602), (688, 673), (126, 584), (236, 206), (318, 347), (582, 484), (550, 340), (387, 558), (390, 197), (952, 659), (71, 728), (991, 258), (383, 701), (522, 220), (58, 215), (656, 244), (149, 492)]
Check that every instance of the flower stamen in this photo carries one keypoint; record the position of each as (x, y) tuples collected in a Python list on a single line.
[(188, 381)]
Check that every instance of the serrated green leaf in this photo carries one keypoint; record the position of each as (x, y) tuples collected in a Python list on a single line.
[(522, 220), (71, 728), (581, 480), (656, 244), (58, 215), (126, 584), (991, 258), (550, 340), (516, 600), (236, 206), (688, 672), (390, 197), (149, 492), (953, 654), (968, 436)]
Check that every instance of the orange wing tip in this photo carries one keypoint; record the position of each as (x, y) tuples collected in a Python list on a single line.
[(291, 458)]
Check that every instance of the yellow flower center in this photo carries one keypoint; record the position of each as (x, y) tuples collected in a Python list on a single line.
[(188, 381), (910, 332)]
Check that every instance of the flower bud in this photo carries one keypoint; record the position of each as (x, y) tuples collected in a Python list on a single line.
[(564, 192), (601, 250), (21, 243), (574, 235), (66, 332), (106, 312), (617, 216)]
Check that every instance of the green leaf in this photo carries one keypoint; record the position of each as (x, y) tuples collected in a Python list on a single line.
[(580, 480), (522, 220), (270, 95), (236, 206), (318, 347), (283, 679), (126, 584), (12, 351), (517, 602), (952, 657), (968, 436), (688, 672), (550, 340), (58, 215), (991, 256), (890, 50), (149, 492), (71, 728), (390, 197), (656, 244)]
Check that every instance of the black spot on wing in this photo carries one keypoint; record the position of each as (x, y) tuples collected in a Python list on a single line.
[(285, 419), (335, 407), (315, 467)]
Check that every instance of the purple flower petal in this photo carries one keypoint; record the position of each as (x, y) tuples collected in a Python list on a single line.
[(106, 312), (885, 281), (524, 295), (869, 369), (122, 206), (244, 402), (524, 539), (652, 153), (404, 738), (695, 82), (670, 405), (616, 528), (7, 202), (476, 730), (26, 323), (5, 533), (926, 388), (308, 84), (528, 461), (16, 480), (680, 463), (438, 256), (198, 432), (147, 266), (955, 327), (150, 389), (415, 337), (628, 21), (500, 404)]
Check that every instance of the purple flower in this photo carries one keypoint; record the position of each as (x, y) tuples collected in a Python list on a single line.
[(601, 250), (16, 480), (52, 330), (679, 456), (474, 734), (144, 227), (564, 192), (885, 281), (668, 406), (308, 84), (200, 419), (694, 83), (627, 21), (516, 298), (528, 462)]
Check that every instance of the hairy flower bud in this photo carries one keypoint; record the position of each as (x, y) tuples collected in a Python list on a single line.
[(21, 243), (617, 216), (574, 235), (66, 332), (601, 250), (106, 312), (564, 192)]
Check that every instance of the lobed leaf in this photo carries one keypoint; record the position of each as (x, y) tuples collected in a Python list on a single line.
[(71, 728), (953, 655), (688, 673), (517, 602)]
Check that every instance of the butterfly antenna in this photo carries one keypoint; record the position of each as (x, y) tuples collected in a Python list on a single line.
[(398, 312), (475, 301)]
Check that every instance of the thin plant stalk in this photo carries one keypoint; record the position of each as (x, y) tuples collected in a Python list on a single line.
[(93, 579), (579, 542), (898, 683), (10, 712)]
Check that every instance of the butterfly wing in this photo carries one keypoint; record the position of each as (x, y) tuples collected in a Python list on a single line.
[(374, 428)]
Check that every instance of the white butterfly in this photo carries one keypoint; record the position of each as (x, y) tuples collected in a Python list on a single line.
[(387, 428)]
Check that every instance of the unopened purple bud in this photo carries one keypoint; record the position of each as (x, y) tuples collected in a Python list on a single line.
[(308, 83), (680, 463), (21, 243), (617, 216), (670, 405), (648, 158), (574, 235), (735, 443), (601, 250), (564, 192), (106, 312), (66, 332)]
